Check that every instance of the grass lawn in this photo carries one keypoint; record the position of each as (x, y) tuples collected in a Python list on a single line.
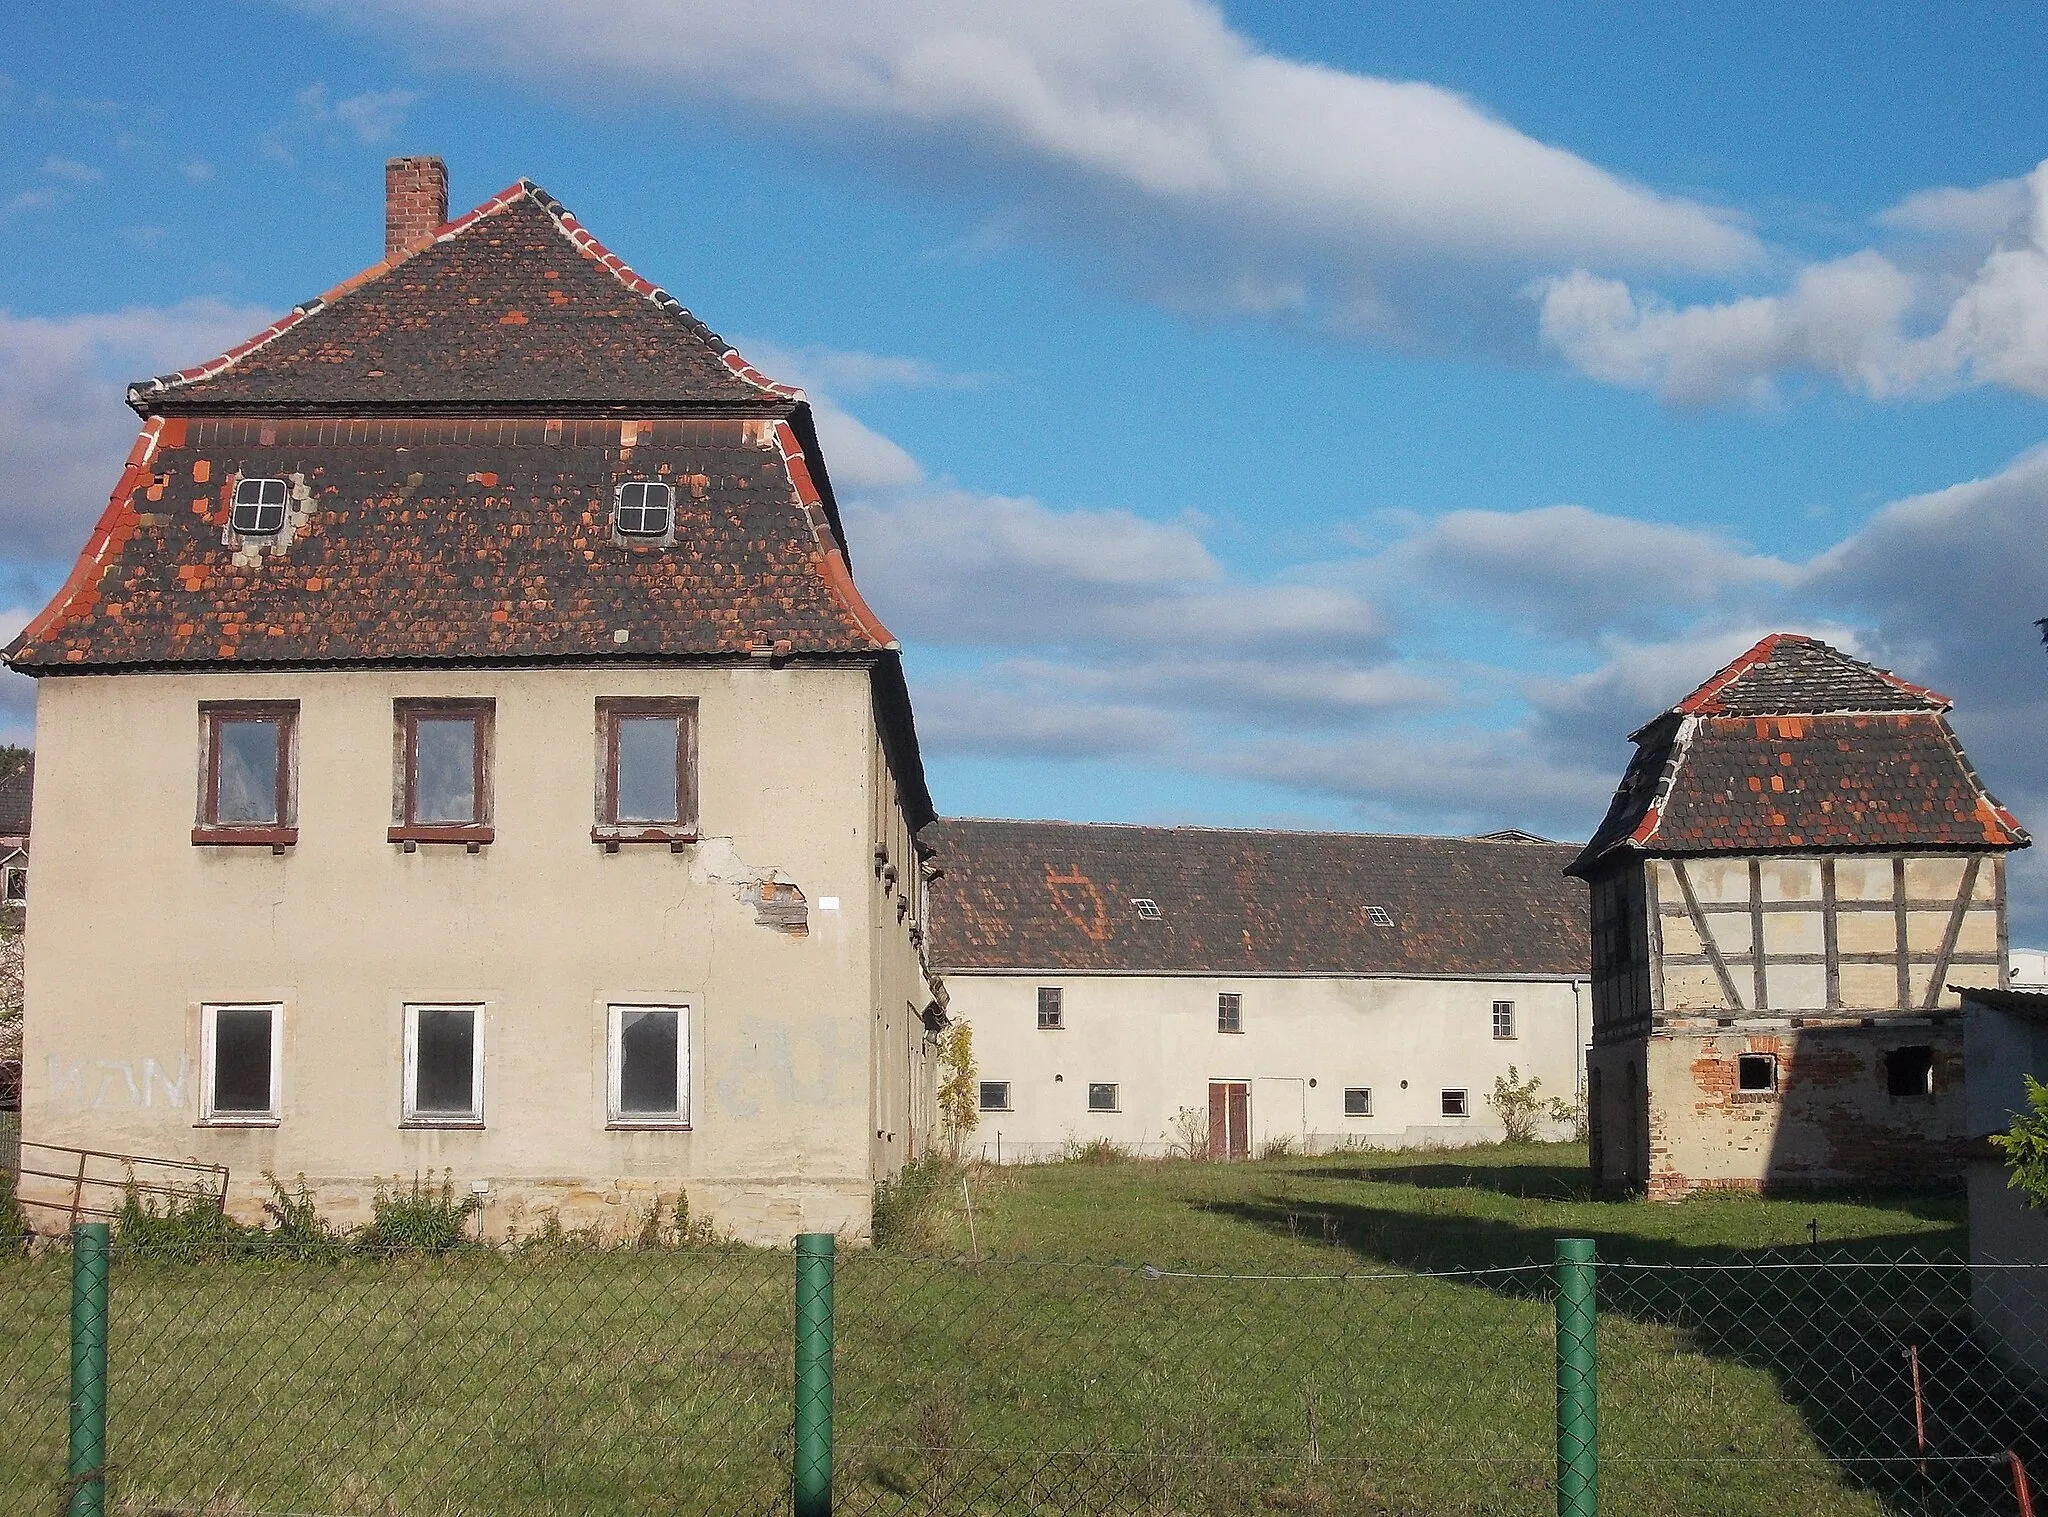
[(1076, 1382)]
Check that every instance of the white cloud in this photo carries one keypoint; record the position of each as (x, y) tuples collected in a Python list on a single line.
[(1214, 173), (1580, 573), (71, 171), (1868, 322), (198, 170), (371, 117), (64, 427)]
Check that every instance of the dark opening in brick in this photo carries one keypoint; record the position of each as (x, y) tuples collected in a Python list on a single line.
[(1756, 1071), (1909, 1071)]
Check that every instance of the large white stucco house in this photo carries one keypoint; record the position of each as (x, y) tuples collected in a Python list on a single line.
[(463, 750), (1176, 988)]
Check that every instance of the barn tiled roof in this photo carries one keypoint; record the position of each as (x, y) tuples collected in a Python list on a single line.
[(17, 789), (1058, 896), (513, 305), (1798, 747), (453, 538)]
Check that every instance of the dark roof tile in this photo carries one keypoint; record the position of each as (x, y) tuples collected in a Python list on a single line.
[(1057, 896)]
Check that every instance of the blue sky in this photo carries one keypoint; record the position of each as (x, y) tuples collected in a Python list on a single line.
[(1306, 414)]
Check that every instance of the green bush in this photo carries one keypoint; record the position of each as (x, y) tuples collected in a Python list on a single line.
[(14, 1228), (2025, 1145), (423, 1220), (184, 1225), (909, 1208), (296, 1229)]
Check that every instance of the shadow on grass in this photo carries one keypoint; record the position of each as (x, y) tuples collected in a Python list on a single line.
[(1837, 1327)]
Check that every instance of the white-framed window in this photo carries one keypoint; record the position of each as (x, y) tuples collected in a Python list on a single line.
[(1229, 1011), (444, 1066), (1503, 1020), (241, 1056), (995, 1095), (1379, 916), (1358, 1101), (644, 508), (1102, 1096), (1456, 1104), (1146, 907), (650, 1066), (259, 506), (1052, 1009), (16, 886)]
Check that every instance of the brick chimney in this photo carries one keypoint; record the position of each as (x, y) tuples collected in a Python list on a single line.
[(415, 200)]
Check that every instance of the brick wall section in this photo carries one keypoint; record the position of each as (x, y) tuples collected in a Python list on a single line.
[(415, 200)]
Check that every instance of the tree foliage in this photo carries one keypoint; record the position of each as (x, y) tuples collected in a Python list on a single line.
[(2025, 1145), (959, 1097)]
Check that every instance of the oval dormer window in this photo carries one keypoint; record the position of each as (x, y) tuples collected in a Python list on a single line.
[(645, 508), (259, 507)]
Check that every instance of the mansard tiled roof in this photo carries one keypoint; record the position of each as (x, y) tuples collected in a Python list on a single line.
[(513, 305), (17, 791), (1057, 896), (453, 538), (1797, 747)]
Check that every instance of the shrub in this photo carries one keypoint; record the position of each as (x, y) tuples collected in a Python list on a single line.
[(910, 1209), (1515, 1102), (14, 1229), (1280, 1146), (1094, 1151), (1188, 1133), (2025, 1145), (185, 1225), (296, 1229), (424, 1220), (959, 1097)]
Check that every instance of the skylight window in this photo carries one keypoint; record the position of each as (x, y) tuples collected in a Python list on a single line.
[(1147, 908), (259, 507), (1379, 916), (644, 508)]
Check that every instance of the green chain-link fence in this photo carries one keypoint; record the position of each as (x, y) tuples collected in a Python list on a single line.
[(263, 1380)]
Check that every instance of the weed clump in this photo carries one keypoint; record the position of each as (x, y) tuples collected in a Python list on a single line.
[(910, 1209), (425, 1219)]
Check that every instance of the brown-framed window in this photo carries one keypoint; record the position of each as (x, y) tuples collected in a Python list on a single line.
[(646, 771), (248, 773), (441, 760)]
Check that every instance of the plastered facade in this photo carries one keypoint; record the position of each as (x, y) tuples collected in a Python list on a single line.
[(1824, 965), (1304, 1041), (808, 1075)]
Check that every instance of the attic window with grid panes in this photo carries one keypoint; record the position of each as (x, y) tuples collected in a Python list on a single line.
[(644, 508), (1146, 907), (259, 507), (1379, 916)]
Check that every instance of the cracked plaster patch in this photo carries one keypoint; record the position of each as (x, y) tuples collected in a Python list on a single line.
[(778, 902)]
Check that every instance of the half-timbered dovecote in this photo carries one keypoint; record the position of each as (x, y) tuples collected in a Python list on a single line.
[(1797, 870)]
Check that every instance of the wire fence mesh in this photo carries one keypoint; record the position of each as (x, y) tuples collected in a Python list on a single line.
[(560, 1382)]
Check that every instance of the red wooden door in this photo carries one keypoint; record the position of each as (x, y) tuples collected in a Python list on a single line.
[(1230, 1111)]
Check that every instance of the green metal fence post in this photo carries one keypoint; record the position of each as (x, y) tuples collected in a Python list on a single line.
[(1578, 1458), (88, 1370), (814, 1375)]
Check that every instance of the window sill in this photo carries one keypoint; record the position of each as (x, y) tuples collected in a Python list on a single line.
[(237, 1122), (610, 837), (244, 837), (645, 1124), (454, 1124), (1754, 1097), (412, 837)]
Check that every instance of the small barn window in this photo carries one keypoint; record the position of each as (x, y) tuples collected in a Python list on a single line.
[(648, 774), (1102, 1097), (259, 506), (644, 508), (1379, 916), (444, 767), (1358, 1101), (1229, 1011), (995, 1095), (1756, 1072), (1147, 908), (247, 783), (241, 1052), (1909, 1072), (1051, 1013), (1456, 1104), (1503, 1020)]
